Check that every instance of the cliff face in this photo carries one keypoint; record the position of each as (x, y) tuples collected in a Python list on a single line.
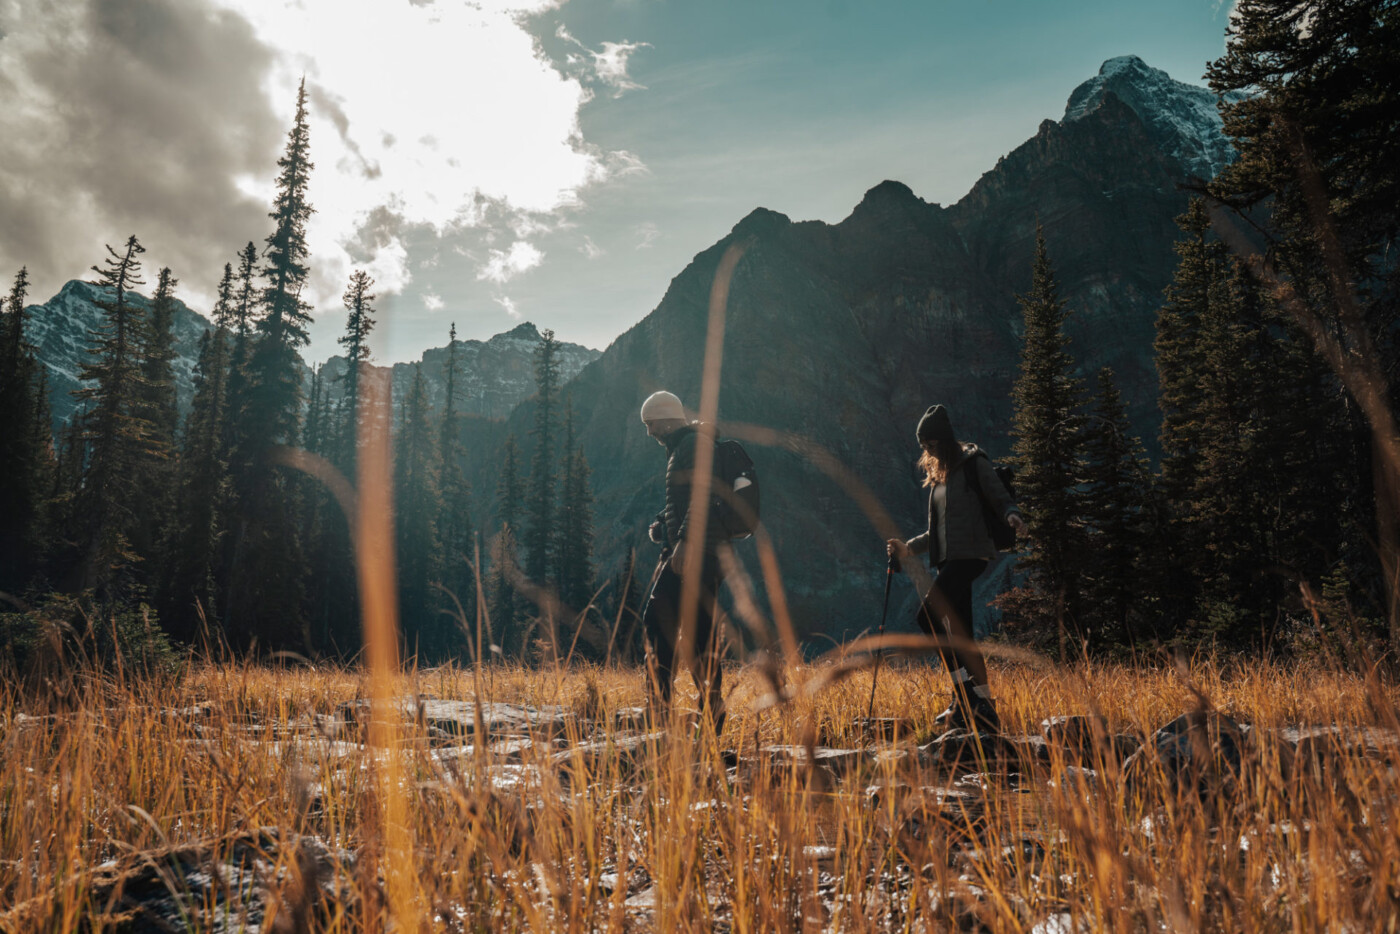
[(842, 334)]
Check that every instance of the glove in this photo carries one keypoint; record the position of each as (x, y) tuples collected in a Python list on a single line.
[(657, 532)]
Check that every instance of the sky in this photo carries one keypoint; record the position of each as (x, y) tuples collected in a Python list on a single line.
[(502, 161)]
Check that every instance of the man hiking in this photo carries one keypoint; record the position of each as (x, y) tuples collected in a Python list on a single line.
[(666, 421)]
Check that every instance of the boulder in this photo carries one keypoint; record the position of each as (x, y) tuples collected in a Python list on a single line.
[(1202, 751)]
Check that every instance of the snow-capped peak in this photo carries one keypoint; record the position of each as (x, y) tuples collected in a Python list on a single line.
[(1182, 117)]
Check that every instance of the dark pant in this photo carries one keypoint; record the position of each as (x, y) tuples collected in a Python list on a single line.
[(662, 621), (947, 611)]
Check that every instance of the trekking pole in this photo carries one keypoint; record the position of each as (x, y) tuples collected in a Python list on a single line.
[(889, 577)]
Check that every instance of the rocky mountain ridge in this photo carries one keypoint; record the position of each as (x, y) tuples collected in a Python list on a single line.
[(841, 334), (496, 374)]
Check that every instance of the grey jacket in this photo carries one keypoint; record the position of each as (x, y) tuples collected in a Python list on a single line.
[(963, 525)]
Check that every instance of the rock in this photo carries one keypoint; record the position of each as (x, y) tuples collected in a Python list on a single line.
[(210, 885), (620, 753), (963, 749), (1087, 740), (455, 718), (1201, 751)]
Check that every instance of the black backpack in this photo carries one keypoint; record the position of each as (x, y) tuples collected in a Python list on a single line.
[(735, 497), (1003, 535)]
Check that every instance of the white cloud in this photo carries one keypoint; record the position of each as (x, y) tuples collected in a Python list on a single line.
[(504, 265), (647, 233), (591, 249), (505, 302), (432, 301), (607, 66), (444, 113)]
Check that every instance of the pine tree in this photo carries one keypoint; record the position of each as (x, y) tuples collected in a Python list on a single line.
[(419, 503), (24, 449), (157, 468), (1046, 429), (575, 542), (1116, 490), (266, 581), (1179, 345), (455, 522), (116, 432), (201, 510), (359, 302), (540, 530), (243, 308), (1319, 144), (505, 612)]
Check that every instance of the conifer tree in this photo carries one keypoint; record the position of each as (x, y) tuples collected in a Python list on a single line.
[(24, 451), (1048, 443), (541, 506), (505, 613), (191, 587), (575, 543), (116, 432), (266, 580), (455, 521), (418, 505), (359, 302), (157, 467), (243, 307), (1116, 488)]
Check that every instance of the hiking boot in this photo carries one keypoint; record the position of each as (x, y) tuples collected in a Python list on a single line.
[(949, 716)]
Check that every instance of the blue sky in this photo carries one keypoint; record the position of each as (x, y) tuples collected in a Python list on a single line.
[(522, 159)]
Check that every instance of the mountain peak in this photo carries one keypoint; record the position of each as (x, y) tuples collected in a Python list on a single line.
[(890, 192), (1182, 118), (761, 220), (525, 331)]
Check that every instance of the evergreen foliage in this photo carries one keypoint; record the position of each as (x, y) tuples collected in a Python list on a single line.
[(266, 584), (1046, 428), (25, 451), (1116, 509), (540, 531), (190, 592), (455, 528), (418, 504), (575, 543), (504, 607), (117, 432), (359, 302)]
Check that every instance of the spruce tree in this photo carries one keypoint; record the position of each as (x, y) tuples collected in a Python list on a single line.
[(359, 302), (575, 542), (157, 468), (116, 431), (455, 521), (505, 611), (1047, 453), (1115, 509), (24, 449), (267, 577), (418, 504), (541, 505)]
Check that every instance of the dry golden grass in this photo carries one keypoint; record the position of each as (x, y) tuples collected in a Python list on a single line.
[(661, 835)]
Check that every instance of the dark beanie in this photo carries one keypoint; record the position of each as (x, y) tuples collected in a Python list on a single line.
[(935, 426)]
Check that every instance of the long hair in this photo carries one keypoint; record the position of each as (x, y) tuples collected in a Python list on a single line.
[(935, 463)]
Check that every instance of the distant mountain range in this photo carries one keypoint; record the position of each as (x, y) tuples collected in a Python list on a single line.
[(496, 374), (844, 333)]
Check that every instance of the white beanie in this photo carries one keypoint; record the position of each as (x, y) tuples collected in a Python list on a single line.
[(661, 405)]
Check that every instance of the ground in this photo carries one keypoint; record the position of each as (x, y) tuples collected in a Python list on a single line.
[(239, 797)]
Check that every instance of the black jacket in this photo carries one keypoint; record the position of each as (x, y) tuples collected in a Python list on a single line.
[(680, 467)]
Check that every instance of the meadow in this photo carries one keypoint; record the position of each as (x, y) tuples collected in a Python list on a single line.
[(238, 797)]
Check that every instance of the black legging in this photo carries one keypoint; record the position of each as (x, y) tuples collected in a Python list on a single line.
[(946, 610), (662, 621)]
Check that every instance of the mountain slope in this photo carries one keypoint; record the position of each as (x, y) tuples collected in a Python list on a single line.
[(842, 334)]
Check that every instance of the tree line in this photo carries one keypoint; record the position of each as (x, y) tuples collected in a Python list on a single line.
[(1271, 520), (135, 527)]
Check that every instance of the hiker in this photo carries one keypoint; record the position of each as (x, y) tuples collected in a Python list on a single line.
[(959, 546), (666, 421)]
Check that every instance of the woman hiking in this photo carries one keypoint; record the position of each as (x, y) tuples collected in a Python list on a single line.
[(959, 546)]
